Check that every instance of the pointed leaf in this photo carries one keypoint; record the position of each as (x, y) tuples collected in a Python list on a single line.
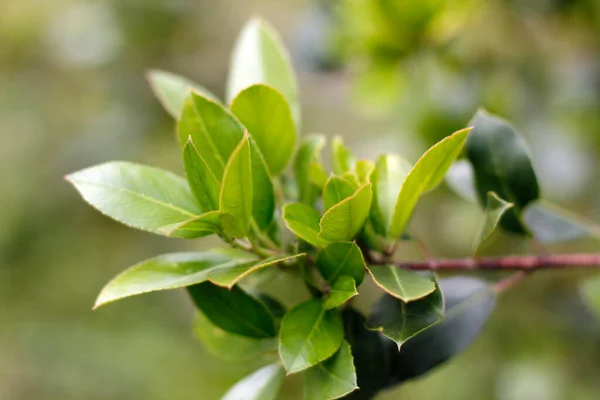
[(197, 227), (308, 152), (341, 258), (342, 160), (309, 334), (233, 310), (343, 221), (203, 183), (387, 178), (590, 290), (263, 384), (260, 57), (427, 173), (342, 290), (495, 209), (552, 224), (136, 195), (303, 221), (401, 283), (333, 378), (335, 190)]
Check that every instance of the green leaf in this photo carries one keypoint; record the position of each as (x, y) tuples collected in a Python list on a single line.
[(303, 221), (502, 165), (461, 178), (263, 384), (352, 178), (136, 195), (260, 57), (342, 160), (495, 209), (266, 115), (263, 192), (552, 224), (335, 190), (168, 271), (403, 284), (590, 290), (230, 276), (202, 181), (236, 192), (341, 258), (468, 302), (172, 90), (308, 152), (387, 177), (364, 169), (333, 378), (317, 174), (342, 290), (229, 346), (427, 173), (309, 334), (401, 321), (343, 221), (197, 227), (233, 310)]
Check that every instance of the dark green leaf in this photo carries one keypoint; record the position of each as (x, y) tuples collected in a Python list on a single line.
[(263, 384), (551, 224), (303, 221), (401, 283), (494, 210), (308, 152), (335, 190), (263, 192), (343, 221), (333, 378), (202, 181), (342, 159), (341, 258), (342, 290)]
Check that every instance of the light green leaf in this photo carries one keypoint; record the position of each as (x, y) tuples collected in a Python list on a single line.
[(303, 221), (591, 293), (230, 276), (263, 384), (236, 192), (309, 334), (387, 178), (427, 173), (341, 258), (352, 178), (317, 174), (495, 209), (342, 160), (401, 321), (308, 152), (342, 290), (202, 181), (260, 57), (552, 224), (343, 221), (168, 271), (335, 190), (233, 310), (266, 115), (364, 169), (136, 195), (403, 284), (197, 227), (172, 90), (333, 378)]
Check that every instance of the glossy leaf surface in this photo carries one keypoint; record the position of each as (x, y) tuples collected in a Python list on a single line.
[(342, 290), (263, 384), (343, 221), (341, 258), (202, 181), (303, 221), (401, 283), (335, 190), (197, 227), (333, 378)]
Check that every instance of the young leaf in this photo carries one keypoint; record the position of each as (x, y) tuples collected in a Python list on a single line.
[(168, 271), (309, 334), (333, 378), (364, 169), (590, 290), (263, 384), (260, 57), (317, 174), (230, 276), (266, 115), (136, 195), (234, 310), (303, 221), (495, 209), (202, 181), (172, 90), (401, 321), (308, 152), (351, 178), (427, 173), (387, 177), (197, 227), (236, 192), (342, 290), (335, 190), (341, 258), (501, 164), (552, 224), (342, 160), (343, 221), (403, 284)]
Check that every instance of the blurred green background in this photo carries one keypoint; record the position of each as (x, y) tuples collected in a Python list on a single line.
[(387, 75)]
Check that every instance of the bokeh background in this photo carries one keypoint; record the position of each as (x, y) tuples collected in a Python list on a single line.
[(387, 75)]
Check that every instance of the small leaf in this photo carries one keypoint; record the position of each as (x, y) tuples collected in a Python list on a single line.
[(364, 169), (230, 276), (351, 178), (233, 310), (309, 334), (403, 284), (342, 290), (260, 57), (333, 378), (308, 153), (495, 209), (341, 258), (172, 90), (168, 271), (342, 159), (263, 384), (335, 190), (590, 290), (303, 221), (401, 321), (317, 174), (343, 221), (136, 195), (236, 192), (203, 183), (197, 227), (266, 115), (501, 164), (427, 173), (552, 224)]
